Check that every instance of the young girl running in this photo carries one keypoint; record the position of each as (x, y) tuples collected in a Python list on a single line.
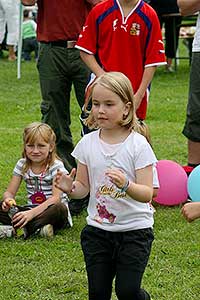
[(115, 165), (47, 209)]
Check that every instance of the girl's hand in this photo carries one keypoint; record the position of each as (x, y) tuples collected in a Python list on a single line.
[(64, 182), (117, 177), (21, 218), (7, 203)]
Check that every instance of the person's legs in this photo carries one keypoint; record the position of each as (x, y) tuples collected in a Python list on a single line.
[(112, 253), (11, 53), (55, 214), (12, 20), (2, 22), (80, 76), (55, 89), (133, 254), (193, 153), (192, 124), (172, 29), (128, 286), (98, 251), (35, 48), (26, 50), (100, 281)]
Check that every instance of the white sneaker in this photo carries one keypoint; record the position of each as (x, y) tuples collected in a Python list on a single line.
[(6, 231), (47, 231)]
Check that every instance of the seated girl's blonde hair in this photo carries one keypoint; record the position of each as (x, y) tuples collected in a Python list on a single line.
[(35, 131), (119, 84)]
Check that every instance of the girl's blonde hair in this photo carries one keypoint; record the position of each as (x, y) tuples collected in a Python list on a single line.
[(119, 84), (31, 134), (143, 129)]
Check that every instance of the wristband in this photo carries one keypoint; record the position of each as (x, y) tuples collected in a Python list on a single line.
[(126, 185)]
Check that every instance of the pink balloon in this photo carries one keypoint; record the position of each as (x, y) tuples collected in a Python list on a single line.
[(173, 183)]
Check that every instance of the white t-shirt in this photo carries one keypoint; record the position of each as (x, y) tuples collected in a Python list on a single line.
[(109, 208), (196, 42)]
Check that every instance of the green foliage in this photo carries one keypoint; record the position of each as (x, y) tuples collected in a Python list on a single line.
[(38, 269)]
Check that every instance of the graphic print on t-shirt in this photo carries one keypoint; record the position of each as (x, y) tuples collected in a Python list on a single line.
[(107, 205)]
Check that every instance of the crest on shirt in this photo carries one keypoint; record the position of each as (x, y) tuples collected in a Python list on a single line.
[(135, 29)]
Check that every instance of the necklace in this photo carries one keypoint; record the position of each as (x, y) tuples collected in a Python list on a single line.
[(38, 196)]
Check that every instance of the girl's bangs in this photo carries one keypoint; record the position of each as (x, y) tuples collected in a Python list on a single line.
[(34, 136)]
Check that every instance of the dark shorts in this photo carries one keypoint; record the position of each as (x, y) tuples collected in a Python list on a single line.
[(192, 124)]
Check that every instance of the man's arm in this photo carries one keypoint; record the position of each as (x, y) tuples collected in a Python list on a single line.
[(188, 7), (28, 2)]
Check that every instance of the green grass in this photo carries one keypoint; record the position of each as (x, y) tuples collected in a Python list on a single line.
[(54, 270)]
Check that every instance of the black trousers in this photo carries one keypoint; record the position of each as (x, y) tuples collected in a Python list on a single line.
[(119, 255), (192, 123), (172, 28)]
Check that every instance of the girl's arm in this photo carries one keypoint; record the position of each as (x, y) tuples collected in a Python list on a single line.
[(146, 80), (188, 7), (76, 189), (91, 62), (142, 189), (11, 192), (20, 219)]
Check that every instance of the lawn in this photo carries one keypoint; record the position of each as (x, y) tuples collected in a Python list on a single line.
[(39, 269)]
